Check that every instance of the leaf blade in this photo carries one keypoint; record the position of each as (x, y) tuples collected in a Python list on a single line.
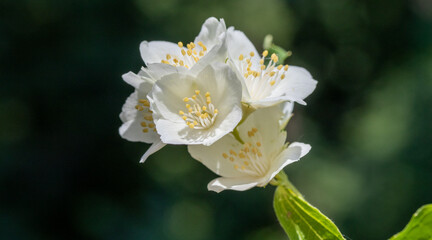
[(300, 220), (419, 227)]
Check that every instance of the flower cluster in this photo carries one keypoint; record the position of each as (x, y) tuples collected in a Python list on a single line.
[(222, 99)]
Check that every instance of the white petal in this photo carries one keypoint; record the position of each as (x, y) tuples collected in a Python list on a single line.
[(156, 146), (266, 120), (293, 153), (287, 109), (212, 156), (211, 32), (158, 70), (297, 85), (138, 82), (156, 51), (179, 133), (271, 101), (227, 99), (131, 118), (238, 43), (238, 184), (167, 94)]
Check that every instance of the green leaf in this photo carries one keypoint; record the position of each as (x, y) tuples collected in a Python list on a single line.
[(420, 226), (299, 219)]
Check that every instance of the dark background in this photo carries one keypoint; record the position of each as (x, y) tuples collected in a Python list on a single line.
[(66, 174)]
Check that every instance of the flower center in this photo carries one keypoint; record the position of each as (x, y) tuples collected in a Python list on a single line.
[(188, 56), (260, 83), (200, 113), (143, 107), (249, 159)]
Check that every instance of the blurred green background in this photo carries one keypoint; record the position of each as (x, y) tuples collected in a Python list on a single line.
[(66, 174)]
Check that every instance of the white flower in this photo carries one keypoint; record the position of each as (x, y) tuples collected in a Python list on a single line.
[(256, 160), (209, 46), (137, 118), (196, 107), (266, 85)]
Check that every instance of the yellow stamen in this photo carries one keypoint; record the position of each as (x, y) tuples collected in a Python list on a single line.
[(241, 57), (180, 44), (185, 99), (265, 53), (252, 54)]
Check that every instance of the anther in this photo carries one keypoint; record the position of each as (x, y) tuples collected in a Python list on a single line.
[(251, 54), (241, 57), (180, 44), (265, 53)]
